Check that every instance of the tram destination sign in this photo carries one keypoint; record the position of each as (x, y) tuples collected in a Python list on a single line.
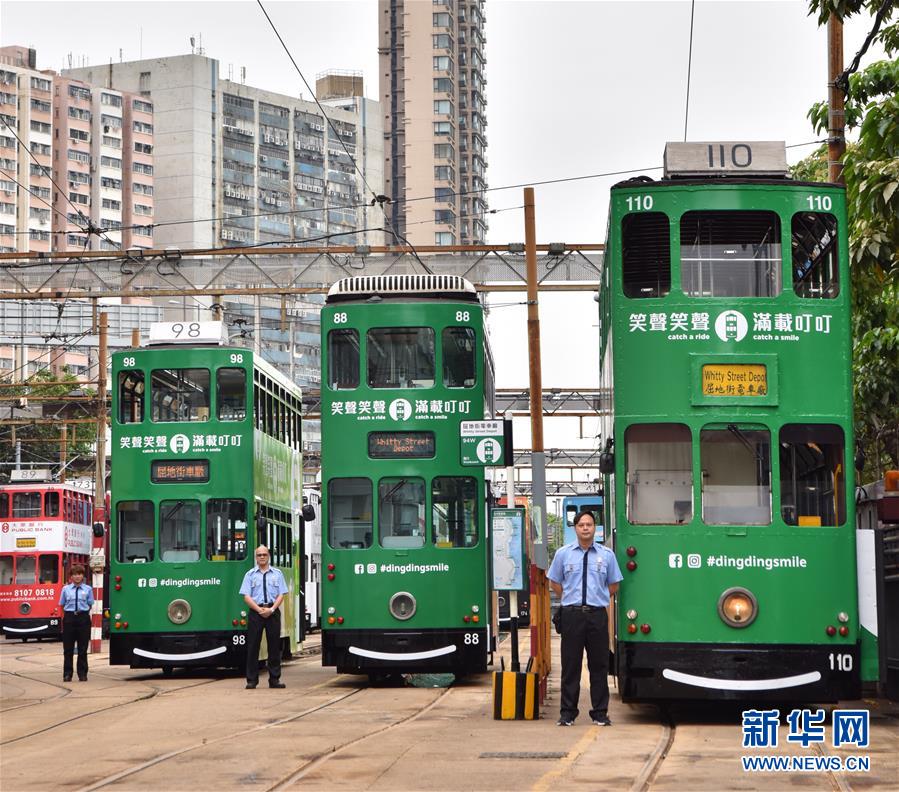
[(401, 445), (177, 472), (735, 379), (483, 443), (730, 158)]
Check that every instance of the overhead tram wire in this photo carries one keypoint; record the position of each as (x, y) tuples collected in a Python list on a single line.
[(689, 69), (376, 199), (89, 228)]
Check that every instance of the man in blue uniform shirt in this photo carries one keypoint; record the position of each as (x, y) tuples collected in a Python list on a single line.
[(76, 600), (263, 589), (583, 574)]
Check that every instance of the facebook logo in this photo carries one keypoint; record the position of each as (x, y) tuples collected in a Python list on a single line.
[(359, 568), (141, 582), (675, 560)]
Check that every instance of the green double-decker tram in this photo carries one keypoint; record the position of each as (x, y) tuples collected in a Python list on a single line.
[(206, 464), (725, 346), (404, 530)]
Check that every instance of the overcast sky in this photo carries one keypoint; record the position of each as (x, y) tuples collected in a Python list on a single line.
[(573, 89)]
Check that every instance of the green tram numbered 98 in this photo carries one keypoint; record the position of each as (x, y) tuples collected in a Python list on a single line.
[(405, 547), (725, 336), (206, 465)]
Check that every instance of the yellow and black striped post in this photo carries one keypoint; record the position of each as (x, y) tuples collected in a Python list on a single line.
[(515, 696)]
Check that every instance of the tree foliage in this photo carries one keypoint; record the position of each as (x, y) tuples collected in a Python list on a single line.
[(40, 443), (871, 173)]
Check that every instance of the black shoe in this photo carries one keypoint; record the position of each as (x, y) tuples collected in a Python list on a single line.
[(276, 685), (564, 722), (82, 679), (251, 685), (66, 677), (603, 721)]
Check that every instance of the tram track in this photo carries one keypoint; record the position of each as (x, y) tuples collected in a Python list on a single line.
[(644, 780)]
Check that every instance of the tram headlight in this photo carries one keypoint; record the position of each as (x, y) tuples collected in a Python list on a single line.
[(402, 605), (179, 611), (25, 608), (738, 607)]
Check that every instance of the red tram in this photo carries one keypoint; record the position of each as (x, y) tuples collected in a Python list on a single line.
[(45, 528)]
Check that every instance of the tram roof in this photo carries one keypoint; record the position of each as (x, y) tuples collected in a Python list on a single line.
[(443, 287)]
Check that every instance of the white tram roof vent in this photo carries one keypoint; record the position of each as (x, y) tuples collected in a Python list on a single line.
[(443, 287), (747, 159)]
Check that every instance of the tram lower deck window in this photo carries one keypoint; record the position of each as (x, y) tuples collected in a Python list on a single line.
[(6, 570)]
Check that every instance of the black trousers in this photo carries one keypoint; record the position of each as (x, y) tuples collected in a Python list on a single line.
[(76, 628), (272, 627), (585, 630)]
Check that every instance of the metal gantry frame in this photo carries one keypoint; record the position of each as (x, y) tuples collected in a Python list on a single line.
[(288, 277)]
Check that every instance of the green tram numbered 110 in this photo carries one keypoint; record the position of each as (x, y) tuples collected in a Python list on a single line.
[(725, 336), (205, 466), (405, 550)]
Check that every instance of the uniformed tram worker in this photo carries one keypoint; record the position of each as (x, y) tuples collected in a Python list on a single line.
[(76, 601), (263, 589), (583, 574)]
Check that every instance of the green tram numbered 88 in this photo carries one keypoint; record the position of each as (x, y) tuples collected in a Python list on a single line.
[(725, 336), (205, 465), (405, 547)]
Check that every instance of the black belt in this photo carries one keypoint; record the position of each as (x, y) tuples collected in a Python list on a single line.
[(75, 613), (585, 608), (266, 604)]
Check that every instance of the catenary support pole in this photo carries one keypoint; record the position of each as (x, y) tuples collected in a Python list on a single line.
[(836, 100)]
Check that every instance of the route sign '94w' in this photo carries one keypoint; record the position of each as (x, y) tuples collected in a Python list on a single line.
[(483, 443)]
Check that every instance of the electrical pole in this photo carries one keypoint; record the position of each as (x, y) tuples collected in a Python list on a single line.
[(836, 101), (99, 532)]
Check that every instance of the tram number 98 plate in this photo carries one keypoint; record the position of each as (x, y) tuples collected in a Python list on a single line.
[(239, 639)]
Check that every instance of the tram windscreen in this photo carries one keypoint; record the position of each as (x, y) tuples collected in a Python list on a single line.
[(659, 474), (135, 523), (179, 531), (48, 569), (730, 254), (6, 570), (736, 476), (454, 511), (350, 513), (226, 529), (400, 357), (812, 475), (401, 512)]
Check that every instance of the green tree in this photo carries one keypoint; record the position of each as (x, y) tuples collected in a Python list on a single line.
[(40, 443), (871, 172)]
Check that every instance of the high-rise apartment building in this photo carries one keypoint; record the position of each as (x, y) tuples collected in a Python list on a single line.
[(248, 165), (432, 98), (85, 158)]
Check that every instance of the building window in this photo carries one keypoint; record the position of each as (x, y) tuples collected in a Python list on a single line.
[(444, 238), (138, 105), (442, 41), (443, 128), (443, 63), (444, 173), (443, 107), (442, 20), (443, 151)]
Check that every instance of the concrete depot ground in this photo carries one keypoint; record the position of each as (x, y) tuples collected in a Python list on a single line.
[(127, 729)]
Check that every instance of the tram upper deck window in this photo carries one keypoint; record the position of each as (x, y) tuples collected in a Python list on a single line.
[(459, 354), (26, 504), (646, 254), (231, 394), (730, 253), (226, 529), (350, 513), (136, 531), (400, 357), (816, 267), (6, 570), (454, 511), (179, 531), (812, 475), (51, 504), (659, 474), (401, 512), (131, 396), (736, 475), (180, 395), (343, 359), (48, 569)]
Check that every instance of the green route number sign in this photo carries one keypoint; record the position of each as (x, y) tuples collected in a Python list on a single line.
[(482, 443)]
